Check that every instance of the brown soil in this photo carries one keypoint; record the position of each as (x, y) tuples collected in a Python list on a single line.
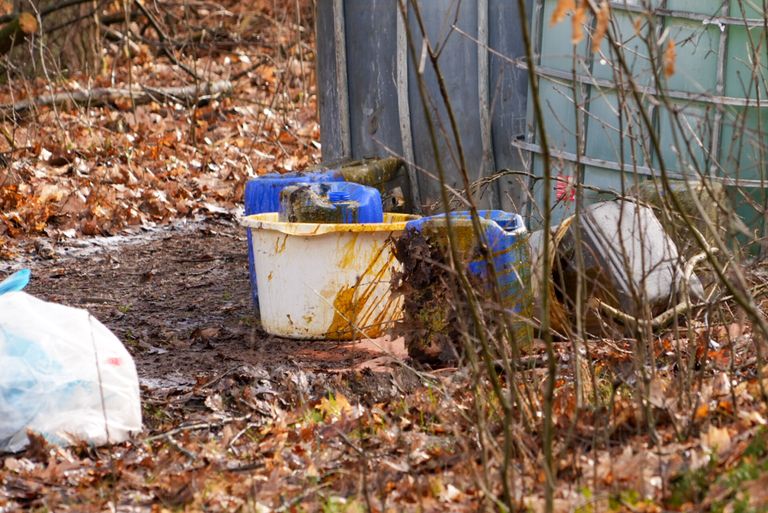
[(180, 301)]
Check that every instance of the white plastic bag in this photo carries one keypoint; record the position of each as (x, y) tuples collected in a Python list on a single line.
[(62, 374)]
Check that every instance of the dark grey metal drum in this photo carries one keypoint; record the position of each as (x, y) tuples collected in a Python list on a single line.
[(370, 59)]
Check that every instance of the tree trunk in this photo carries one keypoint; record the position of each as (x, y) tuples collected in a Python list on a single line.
[(16, 30), (70, 39)]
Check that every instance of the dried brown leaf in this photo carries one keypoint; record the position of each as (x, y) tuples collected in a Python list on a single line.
[(670, 56), (38, 448), (561, 9), (178, 490), (27, 23), (577, 23), (716, 440), (638, 24), (601, 25)]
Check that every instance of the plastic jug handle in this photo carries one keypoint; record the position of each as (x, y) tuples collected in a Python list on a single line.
[(15, 282)]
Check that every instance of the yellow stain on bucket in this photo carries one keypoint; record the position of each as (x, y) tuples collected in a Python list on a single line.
[(278, 247), (355, 306), (345, 313), (348, 253)]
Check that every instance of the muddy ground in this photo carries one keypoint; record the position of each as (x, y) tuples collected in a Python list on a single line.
[(179, 299)]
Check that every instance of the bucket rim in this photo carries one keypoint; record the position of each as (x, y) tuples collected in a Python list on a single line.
[(268, 221)]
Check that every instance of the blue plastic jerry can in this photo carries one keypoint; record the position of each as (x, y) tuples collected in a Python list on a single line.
[(330, 202), (507, 239)]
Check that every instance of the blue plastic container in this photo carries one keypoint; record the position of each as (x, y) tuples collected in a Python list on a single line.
[(368, 208), (262, 194), (507, 239)]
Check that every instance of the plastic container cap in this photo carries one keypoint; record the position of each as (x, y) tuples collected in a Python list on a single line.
[(337, 196)]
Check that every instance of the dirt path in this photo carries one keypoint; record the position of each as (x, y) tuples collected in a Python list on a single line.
[(181, 303)]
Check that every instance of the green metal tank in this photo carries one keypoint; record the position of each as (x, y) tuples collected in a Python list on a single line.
[(710, 114)]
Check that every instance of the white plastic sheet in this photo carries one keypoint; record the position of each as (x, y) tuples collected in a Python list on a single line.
[(62, 374)]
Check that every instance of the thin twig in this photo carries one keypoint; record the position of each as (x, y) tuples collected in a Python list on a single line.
[(664, 318), (165, 38), (187, 95), (196, 427)]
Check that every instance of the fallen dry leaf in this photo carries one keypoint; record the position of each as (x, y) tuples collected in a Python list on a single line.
[(561, 10), (716, 440), (601, 25), (577, 22), (670, 56)]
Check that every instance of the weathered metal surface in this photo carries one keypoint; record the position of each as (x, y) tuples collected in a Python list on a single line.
[(373, 117), (385, 110), (508, 90), (332, 95), (458, 63), (709, 115)]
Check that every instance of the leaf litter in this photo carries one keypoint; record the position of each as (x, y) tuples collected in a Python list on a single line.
[(95, 171), (236, 420)]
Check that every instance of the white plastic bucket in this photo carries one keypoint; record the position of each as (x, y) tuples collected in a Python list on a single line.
[(326, 281)]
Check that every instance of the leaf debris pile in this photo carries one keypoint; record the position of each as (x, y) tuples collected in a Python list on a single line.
[(77, 169), (289, 440), (689, 434)]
